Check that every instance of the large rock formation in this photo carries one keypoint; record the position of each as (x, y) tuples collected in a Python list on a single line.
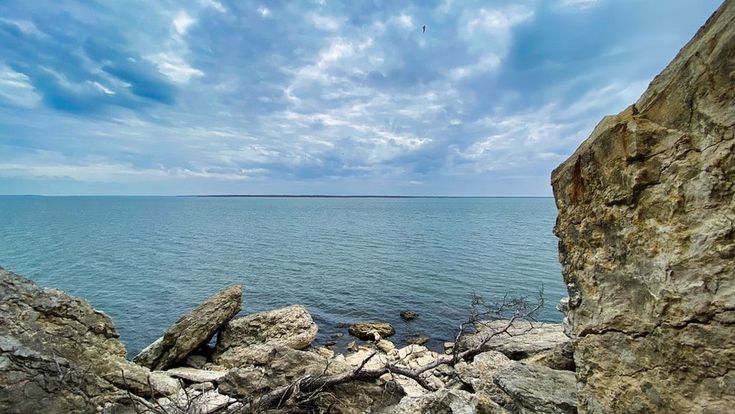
[(647, 239), (193, 330), (58, 354)]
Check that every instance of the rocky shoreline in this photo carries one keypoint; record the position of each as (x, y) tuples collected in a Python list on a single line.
[(61, 355)]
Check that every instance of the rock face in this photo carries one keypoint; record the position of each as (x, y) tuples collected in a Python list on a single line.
[(367, 330), (249, 338), (647, 240), (61, 355), (192, 331)]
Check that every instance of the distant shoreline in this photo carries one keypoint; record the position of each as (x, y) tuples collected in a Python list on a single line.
[(263, 196)]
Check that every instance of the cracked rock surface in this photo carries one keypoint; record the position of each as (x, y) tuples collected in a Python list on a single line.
[(647, 239)]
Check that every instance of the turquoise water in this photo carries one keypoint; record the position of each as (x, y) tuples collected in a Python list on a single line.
[(147, 260)]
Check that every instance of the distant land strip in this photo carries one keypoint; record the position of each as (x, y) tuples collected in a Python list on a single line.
[(347, 196)]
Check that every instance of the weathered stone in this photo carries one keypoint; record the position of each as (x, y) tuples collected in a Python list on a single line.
[(367, 330), (538, 389), (67, 352), (409, 315), (31, 382), (522, 340), (193, 330), (195, 402), (479, 373), (647, 242), (279, 367), (196, 361), (352, 346), (559, 357), (444, 401), (291, 326), (196, 375)]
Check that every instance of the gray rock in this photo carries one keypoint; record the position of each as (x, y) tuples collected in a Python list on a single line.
[(279, 367), (647, 245), (538, 389), (525, 339), (244, 337), (61, 355), (193, 330), (444, 401), (196, 361), (196, 375), (559, 357), (367, 330)]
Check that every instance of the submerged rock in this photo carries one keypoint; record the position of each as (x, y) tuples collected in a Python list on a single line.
[(251, 336), (367, 330), (191, 331), (417, 340), (409, 315), (647, 242)]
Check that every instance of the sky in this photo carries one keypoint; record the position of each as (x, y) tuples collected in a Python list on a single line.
[(318, 97)]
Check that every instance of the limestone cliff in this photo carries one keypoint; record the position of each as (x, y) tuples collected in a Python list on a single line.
[(647, 239)]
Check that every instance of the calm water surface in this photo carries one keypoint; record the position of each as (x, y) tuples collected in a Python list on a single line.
[(147, 260)]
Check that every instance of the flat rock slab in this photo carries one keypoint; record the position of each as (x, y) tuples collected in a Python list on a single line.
[(192, 330), (196, 375), (539, 389), (522, 339)]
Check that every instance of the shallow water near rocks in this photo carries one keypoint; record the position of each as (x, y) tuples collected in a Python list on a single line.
[(146, 261)]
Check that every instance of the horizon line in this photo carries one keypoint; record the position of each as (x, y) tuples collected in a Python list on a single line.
[(276, 195)]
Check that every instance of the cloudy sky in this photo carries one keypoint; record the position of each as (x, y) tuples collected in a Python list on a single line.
[(327, 97)]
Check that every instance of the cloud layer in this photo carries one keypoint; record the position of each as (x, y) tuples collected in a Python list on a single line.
[(215, 96)]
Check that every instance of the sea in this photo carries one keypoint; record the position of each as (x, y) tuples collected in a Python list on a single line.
[(146, 261)]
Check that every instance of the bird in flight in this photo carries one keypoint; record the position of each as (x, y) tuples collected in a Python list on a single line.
[(423, 29)]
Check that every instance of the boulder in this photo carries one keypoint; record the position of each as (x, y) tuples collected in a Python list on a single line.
[(193, 330), (367, 330), (647, 242), (522, 340), (279, 367), (538, 389), (244, 337)]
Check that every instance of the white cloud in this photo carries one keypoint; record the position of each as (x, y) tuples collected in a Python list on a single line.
[(403, 21), (102, 88), (25, 26), (487, 63), (182, 22), (263, 11), (495, 20), (173, 66), (579, 4), (215, 5), (16, 89), (325, 23)]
